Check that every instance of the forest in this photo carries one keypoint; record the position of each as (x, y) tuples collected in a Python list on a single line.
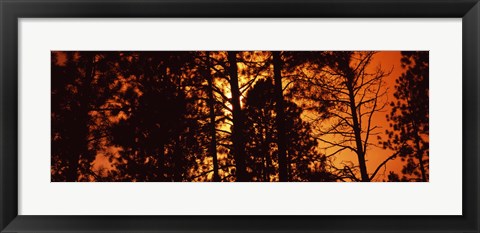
[(239, 116)]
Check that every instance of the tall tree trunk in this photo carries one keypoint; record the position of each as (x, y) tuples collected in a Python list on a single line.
[(422, 166), (161, 163), (178, 161), (282, 151), (238, 119), (81, 126), (213, 128), (357, 129), (419, 153), (178, 154), (265, 151), (417, 139)]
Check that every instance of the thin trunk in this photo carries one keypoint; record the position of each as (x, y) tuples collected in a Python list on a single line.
[(178, 154), (161, 163), (213, 129), (177, 161), (268, 159), (357, 130), (80, 135), (419, 154), (280, 116), (289, 166), (422, 166), (417, 139), (265, 150), (238, 119)]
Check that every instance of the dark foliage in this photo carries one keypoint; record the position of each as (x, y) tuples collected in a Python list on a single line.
[(409, 118)]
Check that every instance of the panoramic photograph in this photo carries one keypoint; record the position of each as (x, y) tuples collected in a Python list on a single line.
[(239, 116)]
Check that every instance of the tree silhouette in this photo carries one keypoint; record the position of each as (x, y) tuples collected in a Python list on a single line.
[(354, 94), (409, 116), (260, 112), (238, 139), (158, 139), (65, 80), (262, 149), (212, 115), (79, 87), (280, 116)]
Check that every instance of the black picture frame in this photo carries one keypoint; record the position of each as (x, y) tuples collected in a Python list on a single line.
[(11, 11)]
